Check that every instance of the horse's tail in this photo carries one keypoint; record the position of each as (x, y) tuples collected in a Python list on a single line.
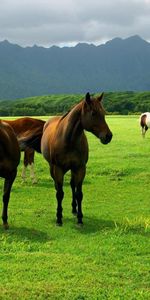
[(31, 141)]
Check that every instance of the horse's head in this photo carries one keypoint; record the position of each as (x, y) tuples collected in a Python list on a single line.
[(93, 118)]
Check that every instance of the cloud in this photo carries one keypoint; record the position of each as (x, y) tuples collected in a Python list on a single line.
[(48, 22)]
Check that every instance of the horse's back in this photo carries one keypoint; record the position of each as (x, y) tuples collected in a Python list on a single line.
[(23, 124)]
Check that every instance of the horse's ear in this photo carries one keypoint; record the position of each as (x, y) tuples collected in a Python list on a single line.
[(88, 98), (101, 96)]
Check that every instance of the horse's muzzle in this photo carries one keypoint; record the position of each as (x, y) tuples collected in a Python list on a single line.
[(106, 139)]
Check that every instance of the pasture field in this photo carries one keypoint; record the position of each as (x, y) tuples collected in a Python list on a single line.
[(109, 257)]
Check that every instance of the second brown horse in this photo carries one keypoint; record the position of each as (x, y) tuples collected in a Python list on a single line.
[(65, 147), (27, 126)]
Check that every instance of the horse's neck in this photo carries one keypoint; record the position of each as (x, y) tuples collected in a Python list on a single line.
[(73, 127)]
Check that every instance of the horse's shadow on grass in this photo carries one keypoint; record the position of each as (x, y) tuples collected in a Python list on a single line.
[(24, 233), (93, 225)]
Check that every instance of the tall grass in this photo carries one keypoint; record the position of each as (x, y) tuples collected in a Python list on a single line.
[(109, 258)]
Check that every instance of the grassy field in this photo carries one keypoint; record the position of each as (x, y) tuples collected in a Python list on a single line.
[(109, 258)]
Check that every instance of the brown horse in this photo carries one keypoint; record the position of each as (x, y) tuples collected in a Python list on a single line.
[(21, 127), (64, 146), (9, 160)]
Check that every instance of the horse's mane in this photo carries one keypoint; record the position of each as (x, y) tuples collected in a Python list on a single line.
[(63, 116), (94, 106)]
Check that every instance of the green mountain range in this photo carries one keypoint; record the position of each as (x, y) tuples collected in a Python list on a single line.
[(118, 65)]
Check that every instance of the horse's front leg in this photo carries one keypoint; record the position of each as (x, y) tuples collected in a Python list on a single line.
[(78, 180), (6, 195), (58, 176), (74, 202)]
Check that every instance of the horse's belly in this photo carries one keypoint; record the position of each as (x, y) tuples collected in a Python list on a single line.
[(46, 142), (70, 161), (45, 150), (6, 168)]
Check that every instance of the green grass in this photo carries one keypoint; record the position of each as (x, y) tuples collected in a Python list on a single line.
[(109, 258)]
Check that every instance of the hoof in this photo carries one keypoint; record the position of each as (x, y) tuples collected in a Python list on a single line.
[(23, 182), (34, 182), (6, 226), (59, 224), (80, 225), (74, 213)]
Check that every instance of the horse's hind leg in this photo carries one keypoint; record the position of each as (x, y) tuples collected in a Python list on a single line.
[(32, 173), (29, 160), (23, 175), (144, 129), (78, 178), (57, 175), (6, 195), (25, 164)]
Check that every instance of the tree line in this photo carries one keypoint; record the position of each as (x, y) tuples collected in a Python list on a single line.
[(114, 102)]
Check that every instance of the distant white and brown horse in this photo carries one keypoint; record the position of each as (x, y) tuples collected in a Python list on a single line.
[(145, 122)]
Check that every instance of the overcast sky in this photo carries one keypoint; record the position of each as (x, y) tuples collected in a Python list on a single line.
[(67, 22)]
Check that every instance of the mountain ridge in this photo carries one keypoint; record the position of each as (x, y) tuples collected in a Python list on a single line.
[(118, 65)]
